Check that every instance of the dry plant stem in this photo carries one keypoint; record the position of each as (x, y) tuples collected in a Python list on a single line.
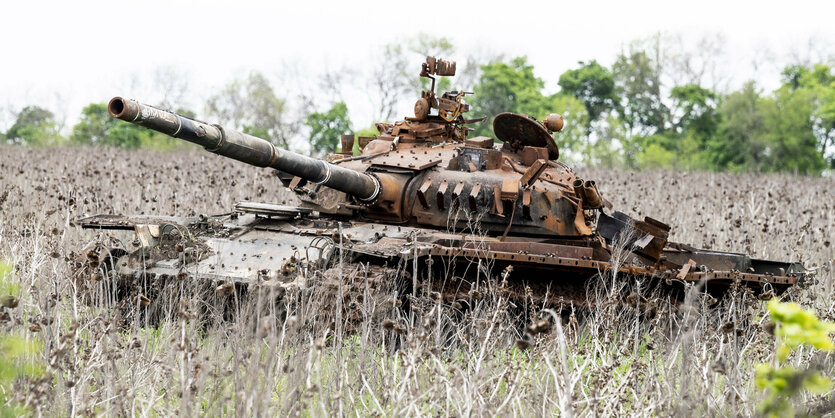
[(248, 355)]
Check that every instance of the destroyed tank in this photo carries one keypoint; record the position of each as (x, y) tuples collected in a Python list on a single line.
[(422, 204)]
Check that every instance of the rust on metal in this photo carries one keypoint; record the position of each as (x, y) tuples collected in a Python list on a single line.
[(532, 174), (472, 199), (554, 122), (497, 200), (456, 193), (421, 193), (347, 142), (518, 130), (389, 203), (531, 154), (510, 189), (479, 142), (591, 196), (533, 248), (440, 194)]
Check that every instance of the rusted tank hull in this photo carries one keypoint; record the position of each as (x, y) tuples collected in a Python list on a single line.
[(284, 247)]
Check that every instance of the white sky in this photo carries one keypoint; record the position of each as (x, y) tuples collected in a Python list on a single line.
[(65, 54)]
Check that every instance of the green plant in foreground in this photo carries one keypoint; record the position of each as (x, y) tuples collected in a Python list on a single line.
[(13, 349), (793, 327)]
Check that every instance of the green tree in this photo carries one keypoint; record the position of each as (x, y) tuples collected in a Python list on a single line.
[(655, 151), (34, 126), (573, 139), (594, 84), (817, 85), (611, 147), (507, 87), (693, 122), (513, 87), (96, 126), (771, 133), (740, 143), (637, 74), (327, 127), (789, 120), (826, 113), (695, 108)]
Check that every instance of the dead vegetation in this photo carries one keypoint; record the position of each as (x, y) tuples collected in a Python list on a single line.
[(642, 357)]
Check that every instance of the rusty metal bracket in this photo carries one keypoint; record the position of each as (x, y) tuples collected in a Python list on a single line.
[(421, 193), (439, 195), (532, 174), (472, 199)]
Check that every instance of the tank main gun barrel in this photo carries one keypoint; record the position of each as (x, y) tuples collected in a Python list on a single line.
[(247, 148)]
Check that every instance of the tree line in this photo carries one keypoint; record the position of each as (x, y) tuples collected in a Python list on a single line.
[(649, 109)]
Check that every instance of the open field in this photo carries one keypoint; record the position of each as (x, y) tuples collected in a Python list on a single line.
[(695, 359)]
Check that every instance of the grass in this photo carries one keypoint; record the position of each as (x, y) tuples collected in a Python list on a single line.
[(694, 359)]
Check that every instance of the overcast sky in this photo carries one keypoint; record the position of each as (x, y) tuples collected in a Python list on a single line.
[(65, 54)]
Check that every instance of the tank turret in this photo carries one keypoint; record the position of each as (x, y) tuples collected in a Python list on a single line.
[(422, 170)]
